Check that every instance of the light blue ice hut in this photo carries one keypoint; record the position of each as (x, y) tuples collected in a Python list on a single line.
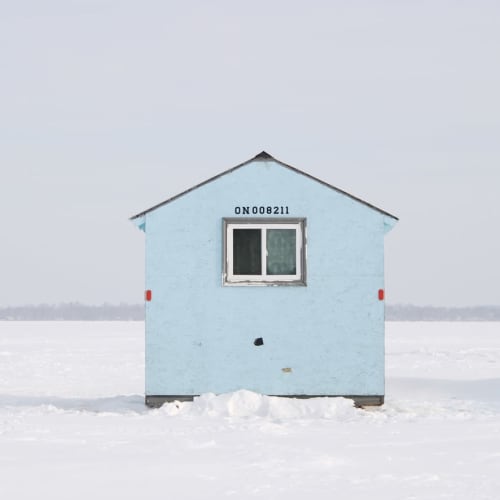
[(268, 279)]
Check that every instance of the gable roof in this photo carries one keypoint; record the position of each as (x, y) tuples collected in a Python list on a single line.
[(263, 156)]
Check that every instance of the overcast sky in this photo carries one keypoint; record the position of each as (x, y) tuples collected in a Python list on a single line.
[(110, 106)]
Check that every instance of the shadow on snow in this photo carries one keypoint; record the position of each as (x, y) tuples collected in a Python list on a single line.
[(482, 390), (113, 404)]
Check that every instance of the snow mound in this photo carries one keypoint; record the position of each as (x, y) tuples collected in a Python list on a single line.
[(244, 403)]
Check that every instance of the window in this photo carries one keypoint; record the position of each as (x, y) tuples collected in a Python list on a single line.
[(264, 251)]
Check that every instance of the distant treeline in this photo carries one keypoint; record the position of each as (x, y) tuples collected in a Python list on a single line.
[(432, 313), (75, 311)]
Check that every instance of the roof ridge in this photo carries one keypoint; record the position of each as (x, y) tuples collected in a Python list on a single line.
[(262, 156)]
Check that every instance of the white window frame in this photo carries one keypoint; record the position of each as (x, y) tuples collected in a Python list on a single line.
[(263, 279)]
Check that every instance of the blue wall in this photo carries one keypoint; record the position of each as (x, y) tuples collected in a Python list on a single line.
[(199, 334)]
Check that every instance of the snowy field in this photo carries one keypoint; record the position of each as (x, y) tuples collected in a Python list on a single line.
[(73, 424)]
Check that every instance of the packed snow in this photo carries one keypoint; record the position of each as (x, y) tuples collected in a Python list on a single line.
[(73, 424)]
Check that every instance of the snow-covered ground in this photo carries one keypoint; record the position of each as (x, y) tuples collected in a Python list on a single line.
[(73, 424)]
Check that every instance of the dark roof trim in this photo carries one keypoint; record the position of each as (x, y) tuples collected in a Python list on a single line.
[(263, 156)]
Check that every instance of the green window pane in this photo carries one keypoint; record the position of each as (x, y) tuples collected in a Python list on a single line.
[(247, 251), (281, 251)]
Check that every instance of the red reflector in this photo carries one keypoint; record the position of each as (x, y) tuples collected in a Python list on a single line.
[(147, 295), (381, 294)]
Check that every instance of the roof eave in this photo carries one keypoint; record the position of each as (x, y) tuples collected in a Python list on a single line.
[(158, 205)]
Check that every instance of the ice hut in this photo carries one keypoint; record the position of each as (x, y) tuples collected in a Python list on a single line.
[(268, 279)]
